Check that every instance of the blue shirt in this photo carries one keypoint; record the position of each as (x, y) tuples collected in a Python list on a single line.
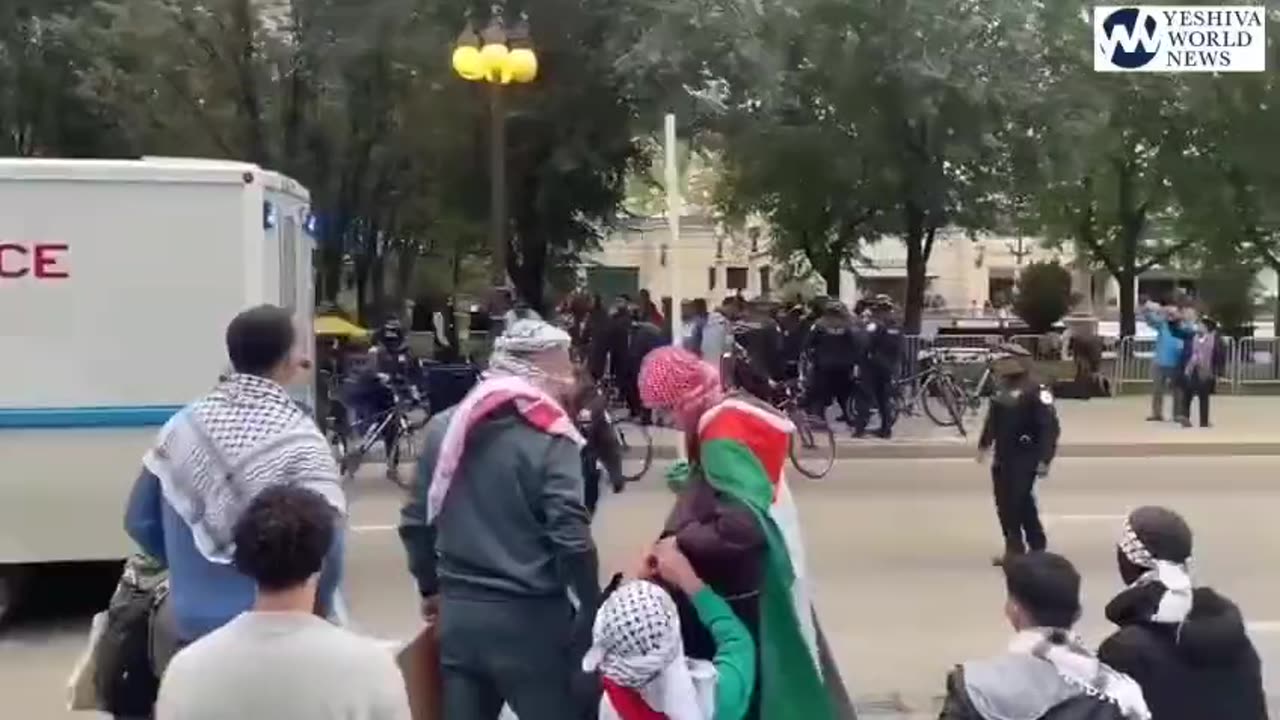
[(205, 595)]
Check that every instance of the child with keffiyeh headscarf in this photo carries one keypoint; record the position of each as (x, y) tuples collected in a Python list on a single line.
[(639, 653), (1186, 646)]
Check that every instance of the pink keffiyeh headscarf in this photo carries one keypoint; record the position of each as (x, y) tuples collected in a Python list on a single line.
[(525, 362), (675, 380)]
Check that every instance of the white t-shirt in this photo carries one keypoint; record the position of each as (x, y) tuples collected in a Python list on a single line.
[(282, 666)]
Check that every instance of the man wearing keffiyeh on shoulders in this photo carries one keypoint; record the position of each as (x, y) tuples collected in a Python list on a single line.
[(499, 540), (214, 457)]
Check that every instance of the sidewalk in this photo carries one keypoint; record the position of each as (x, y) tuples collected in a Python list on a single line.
[(1102, 427)]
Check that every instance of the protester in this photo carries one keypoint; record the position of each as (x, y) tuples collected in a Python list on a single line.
[(498, 538), (218, 453), (645, 338), (1204, 359), (1046, 674), (602, 453), (1168, 353), (1023, 427), (279, 660), (649, 311), (736, 521), (1185, 646), (640, 656), (695, 325), (717, 332)]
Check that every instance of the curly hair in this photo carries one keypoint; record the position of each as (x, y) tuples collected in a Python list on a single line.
[(282, 538)]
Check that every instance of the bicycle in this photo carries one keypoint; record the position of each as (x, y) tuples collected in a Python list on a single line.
[(812, 448), (932, 385), (635, 444), (395, 422)]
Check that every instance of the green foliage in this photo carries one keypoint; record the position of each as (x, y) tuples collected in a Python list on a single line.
[(1229, 293), (1043, 296)]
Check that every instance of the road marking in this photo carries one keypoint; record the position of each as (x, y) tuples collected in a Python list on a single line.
[(372, 528), (1083, 518)]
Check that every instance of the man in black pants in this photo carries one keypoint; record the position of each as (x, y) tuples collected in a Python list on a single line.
[(879, 369), (1023, 426), (834, 349)]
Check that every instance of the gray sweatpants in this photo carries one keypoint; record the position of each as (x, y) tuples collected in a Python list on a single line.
[(506, 651), (1162, 378)]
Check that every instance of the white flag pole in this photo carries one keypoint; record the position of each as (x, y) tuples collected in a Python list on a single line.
[(673, 220)]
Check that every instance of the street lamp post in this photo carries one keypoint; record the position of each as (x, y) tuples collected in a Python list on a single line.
[(497, 58)]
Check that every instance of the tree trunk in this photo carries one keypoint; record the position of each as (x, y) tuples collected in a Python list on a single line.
[(1128, 280), (406, 259), (829, 268), (917, 267)]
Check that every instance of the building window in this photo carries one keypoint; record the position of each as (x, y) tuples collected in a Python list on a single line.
[(766, 280), (1000, 291), (735, 278), (711, 278)]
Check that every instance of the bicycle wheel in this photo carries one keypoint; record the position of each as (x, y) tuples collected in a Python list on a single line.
[(813, 445), (941, 400), (404, 450), (636, 445)]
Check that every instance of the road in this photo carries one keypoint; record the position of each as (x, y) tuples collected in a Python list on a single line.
[(899, 549)]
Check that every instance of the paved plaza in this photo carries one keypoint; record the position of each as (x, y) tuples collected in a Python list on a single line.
[(899, 550)]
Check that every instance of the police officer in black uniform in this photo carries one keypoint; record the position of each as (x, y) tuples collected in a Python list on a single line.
[(833, 351), (879, 369), (1023, 426)]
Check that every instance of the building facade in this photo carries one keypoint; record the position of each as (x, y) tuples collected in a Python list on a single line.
[(967, 275)]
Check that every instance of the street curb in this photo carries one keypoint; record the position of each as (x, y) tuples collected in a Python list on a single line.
[(941, 451)]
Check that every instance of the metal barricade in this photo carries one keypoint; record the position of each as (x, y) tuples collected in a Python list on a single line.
[(1133, 361), (1254, 362)]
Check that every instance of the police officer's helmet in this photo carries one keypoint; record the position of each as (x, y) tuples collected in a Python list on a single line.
[(391, 334)]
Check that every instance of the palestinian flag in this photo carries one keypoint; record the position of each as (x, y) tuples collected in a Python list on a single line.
[(742, 451)]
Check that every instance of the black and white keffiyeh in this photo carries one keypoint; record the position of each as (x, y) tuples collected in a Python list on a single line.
[(636, 635), (1175, 603), (637, 645), (1080, 668), (516, 350), (219, 452)]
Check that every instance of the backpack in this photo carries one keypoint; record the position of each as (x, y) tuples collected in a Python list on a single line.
[(125, 678)]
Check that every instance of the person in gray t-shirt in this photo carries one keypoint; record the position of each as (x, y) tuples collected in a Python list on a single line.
[(280, 660)]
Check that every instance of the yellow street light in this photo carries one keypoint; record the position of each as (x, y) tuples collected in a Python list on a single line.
[(497, 58)]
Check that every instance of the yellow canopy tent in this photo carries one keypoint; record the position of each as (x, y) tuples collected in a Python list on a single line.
[(334, 326)]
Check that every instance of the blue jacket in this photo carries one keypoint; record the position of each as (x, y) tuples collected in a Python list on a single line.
[(205, 595), (1168, 345)]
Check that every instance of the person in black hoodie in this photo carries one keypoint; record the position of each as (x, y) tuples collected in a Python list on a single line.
[(1185, 646)]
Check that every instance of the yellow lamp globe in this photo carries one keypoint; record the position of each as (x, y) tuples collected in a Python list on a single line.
[(468, 63), (492, 58), (521, 65)]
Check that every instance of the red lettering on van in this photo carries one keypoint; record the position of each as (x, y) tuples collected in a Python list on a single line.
[(43, 261)]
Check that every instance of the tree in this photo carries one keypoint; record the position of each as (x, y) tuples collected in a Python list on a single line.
[(1043, 296), (41, 114), (806, 183), (357, 101), (1229, 195), (1108, 148), (895, 113)]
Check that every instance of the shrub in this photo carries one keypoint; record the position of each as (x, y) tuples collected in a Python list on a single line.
[(1043, 296)]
